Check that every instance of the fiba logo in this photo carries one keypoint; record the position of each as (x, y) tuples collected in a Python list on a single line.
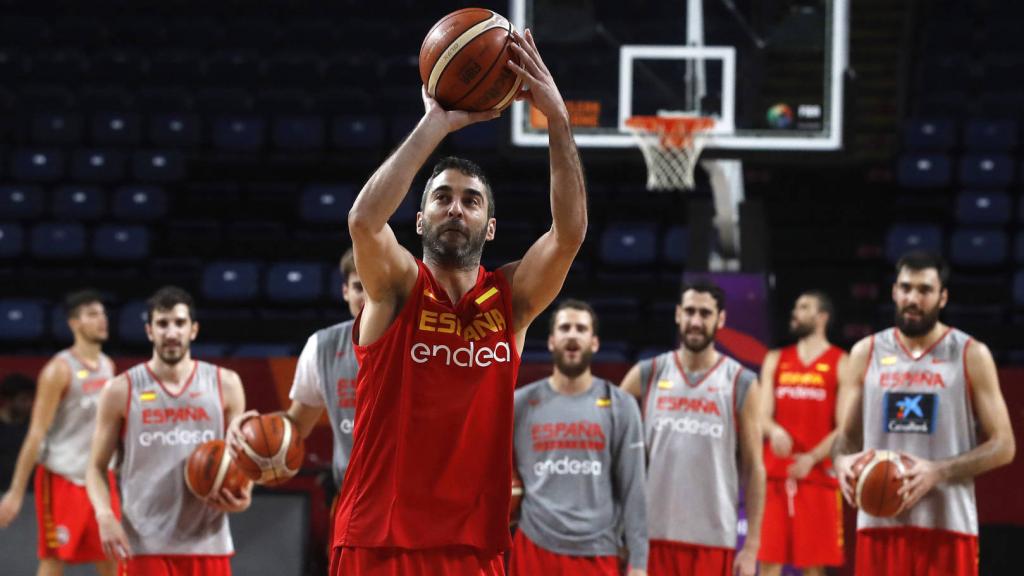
[(176, 437)]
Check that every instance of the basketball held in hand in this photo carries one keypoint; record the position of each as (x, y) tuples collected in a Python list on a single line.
[(878, 482), (210, 468), (463, 61), (271, 450)]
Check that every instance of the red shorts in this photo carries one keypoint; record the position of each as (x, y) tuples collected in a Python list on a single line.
[(803, 524), (175, 566), (678, 559), (453, 561), (528, 559), (67, 523), (910, 551)]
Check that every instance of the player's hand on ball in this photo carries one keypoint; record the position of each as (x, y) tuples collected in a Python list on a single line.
[(112, 537), (452, 120), (226, 501), (780, 441), (233, 436), (538, 86), (802, 465), (847, 468), (10, 506), (919, 478), (745, 563)]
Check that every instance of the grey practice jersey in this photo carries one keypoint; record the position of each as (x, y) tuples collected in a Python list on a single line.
[(160, 515), (66, 448), (690, 421), (922, 406), (581, 460)]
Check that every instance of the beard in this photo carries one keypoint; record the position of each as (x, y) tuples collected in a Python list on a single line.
[(915, 328), (171, 356), (453, 254), (801, 330), (698, 341), (573, 369)]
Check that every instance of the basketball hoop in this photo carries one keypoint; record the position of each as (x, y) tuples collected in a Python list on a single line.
[(671, 146)]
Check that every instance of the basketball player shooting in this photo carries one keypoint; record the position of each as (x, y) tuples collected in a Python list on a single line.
[(926, 391), (429, 480)]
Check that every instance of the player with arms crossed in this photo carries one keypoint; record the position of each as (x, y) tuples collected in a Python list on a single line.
[(926, 391), (165, 408), (429, 480), (701, 409), (57, 444), (579, 449), (803, 515)]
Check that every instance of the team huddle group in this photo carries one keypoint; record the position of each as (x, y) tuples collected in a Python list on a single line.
[(643, 476)]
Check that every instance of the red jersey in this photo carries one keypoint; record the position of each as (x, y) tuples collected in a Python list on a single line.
[(431, 462), (805, 405)]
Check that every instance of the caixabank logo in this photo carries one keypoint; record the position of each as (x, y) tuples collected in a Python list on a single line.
[(910, 413)]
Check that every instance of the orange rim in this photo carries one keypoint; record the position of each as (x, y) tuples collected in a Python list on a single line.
[(675, 132)]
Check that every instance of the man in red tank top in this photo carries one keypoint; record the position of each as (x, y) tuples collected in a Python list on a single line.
[(429, 480), (803, 516)]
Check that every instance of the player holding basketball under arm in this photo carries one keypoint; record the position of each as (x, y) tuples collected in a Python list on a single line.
[(57, 444), (925, 390), (165, 407), (429, 480), (701, 408), (579, 449), (803, 515)]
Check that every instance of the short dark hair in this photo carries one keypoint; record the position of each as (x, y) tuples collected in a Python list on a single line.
[(824, 303), (705, 286), (347, 264), (74, 301), (918, 260), (573, 304), (467, 167), (16, 383), (167, 298)]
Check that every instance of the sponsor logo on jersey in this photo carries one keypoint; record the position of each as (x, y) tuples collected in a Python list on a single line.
[(346, 425), (176, 437), (483, 324), (346, 389), (159, 416), (465, 357), (801, 393), (689, 425), (910, 413), (566, 466), (911, 379), (93, 386), (684, 404), (801, 379), (579, 435)]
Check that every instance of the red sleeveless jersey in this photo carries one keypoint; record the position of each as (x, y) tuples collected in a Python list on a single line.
[(431, 462), (805, 405)]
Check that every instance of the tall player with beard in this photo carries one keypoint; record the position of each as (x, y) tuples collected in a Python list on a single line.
[(803, 520), (701, 409), (57, 444), (931, 393), (579, 450), (158, 412), (429, 480)]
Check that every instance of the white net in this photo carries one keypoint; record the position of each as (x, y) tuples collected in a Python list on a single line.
[(671, 147)]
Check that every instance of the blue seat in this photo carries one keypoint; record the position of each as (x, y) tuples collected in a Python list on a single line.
[(986, 170), (629, 244), (21, 202), (983, 208), (675, 245), (96, 165), (59, 328), (299, 132), (21, 320), (175, 129), (263, 351), (929, 135), (236, 281), (158, 166), (56, 128), (12, 240), (239, 133), (139, 202), (131, 322), (78, 203), (978, 247), (121, 242), (295, 282), (924, 170), (903, 238), (52, 240), (37, 165), (357, 131), (116, 128), (327, 203), (990, 135)]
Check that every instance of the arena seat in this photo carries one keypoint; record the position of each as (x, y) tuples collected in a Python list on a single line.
[(79, 202), (21, 319), (58, 240), (121, 242)]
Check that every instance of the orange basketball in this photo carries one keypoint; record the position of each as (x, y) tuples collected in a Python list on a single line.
[(210, 468), (878, 482), (463, 61), (517, 497), (272, 450)]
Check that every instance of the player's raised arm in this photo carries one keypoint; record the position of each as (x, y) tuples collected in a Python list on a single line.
[(538, 277), (109, 418)]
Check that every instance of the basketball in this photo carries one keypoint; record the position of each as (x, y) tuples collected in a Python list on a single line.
[(517, 497), (210, 468), (272, 451), (878, 482), (462, 61)]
